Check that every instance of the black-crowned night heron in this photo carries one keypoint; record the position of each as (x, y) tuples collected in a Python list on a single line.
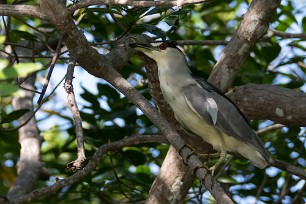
[(203, 109)]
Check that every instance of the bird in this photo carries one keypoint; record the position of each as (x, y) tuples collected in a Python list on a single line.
[(203, 109)]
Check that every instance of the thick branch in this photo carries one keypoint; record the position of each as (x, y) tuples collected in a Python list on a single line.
[(172, 182), (263, 101), (23, 10), (29, 165), (252, 27)]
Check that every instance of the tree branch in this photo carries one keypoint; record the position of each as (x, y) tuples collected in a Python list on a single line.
[(23, 10), (289, 168), (54, 59), (102, 66), (252, 27), (86, 3), (272, 32), (264, 101), (92, 164), (79, 162), (29, 165), (176, 141)]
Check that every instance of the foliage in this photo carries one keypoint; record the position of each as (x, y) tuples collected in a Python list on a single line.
[(126, 175)]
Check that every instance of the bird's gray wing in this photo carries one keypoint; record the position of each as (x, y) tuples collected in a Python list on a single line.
[(215, 109)]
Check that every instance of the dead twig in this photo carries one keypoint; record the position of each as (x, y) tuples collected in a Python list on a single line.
[(54, 59), (79, 162)]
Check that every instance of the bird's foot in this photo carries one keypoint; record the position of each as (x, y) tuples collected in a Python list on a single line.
[(209, 156), (222, 156)]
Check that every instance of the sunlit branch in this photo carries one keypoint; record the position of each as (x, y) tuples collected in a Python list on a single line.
[(272, 32), (79, 162)]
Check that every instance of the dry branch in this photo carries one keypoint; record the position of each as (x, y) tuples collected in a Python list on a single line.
[(79, 162), (92, 164)]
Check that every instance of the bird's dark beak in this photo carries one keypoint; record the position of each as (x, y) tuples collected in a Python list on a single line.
[(142, 46)]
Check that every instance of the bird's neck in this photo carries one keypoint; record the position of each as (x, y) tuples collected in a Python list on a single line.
[(173, 72)]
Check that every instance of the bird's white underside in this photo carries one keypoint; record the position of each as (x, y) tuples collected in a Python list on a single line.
[(185, 114)]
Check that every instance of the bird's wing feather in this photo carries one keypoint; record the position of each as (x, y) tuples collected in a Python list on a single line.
[(217, 110)]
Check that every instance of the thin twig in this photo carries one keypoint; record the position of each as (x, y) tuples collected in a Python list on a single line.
[(116, 20), (299, 194), (54, 59), (261, 187), (8, 38), (270, 128), (92, 164), (24, 22), (289, 168), (201, 42), (34, 112), (272, 32), (79, 162), (41, 56), (228, 161), (34, 91), (118, 179)]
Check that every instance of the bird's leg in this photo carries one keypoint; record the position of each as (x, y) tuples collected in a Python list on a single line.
[(220, 161), (208, 156)]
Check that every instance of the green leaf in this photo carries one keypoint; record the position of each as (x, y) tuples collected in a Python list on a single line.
[(108, 91), (142, 169), (180, 12), (91, 98), (18, 70), (14, 115), (155, 10), (8, 89), (101, 10), (135, 157), (23, 34), (227, 180), (155, 30), (304, 24), (2, 40)]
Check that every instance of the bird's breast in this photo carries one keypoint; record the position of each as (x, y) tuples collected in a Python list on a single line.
[(186, 116)]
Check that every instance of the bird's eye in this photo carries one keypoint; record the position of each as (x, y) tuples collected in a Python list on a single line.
[(162, 46)]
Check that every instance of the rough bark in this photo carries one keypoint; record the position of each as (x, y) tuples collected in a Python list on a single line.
[(253, 26), (169, 186), (268, 102)]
